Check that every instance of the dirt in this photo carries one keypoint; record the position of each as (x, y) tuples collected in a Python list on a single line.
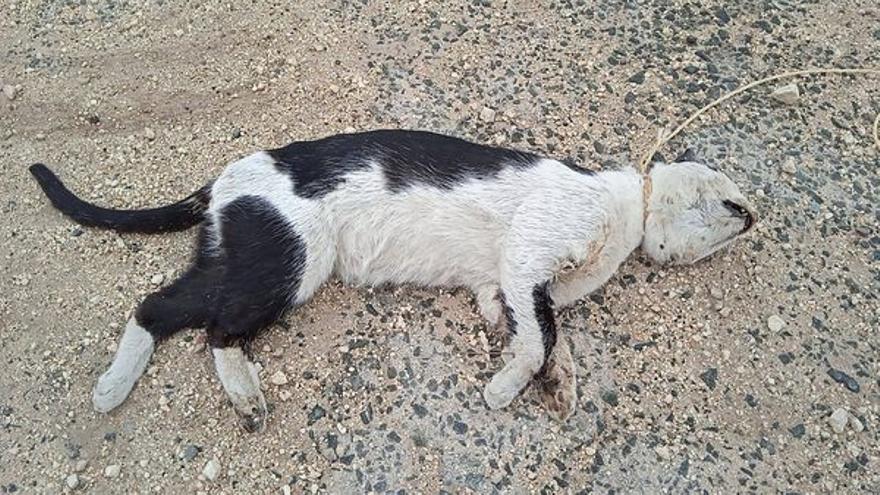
[(685, 383)]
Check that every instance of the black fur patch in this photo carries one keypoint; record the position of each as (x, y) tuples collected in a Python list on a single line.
[(186, 303), (508, 314), (570, 163), (544, 315), (406, 158), (318, 167), (415, 157), (263, 262)]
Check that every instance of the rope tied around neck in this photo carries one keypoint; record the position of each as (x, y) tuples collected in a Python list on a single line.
[(663, 138)]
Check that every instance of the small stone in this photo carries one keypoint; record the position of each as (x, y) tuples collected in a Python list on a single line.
[(789, 166), (317, 413), (10, 91), (278, 378), (190, 452), (149, 134), (211, 470), (637, 78), (787, 94), (157, 279), (709, 377), (80, 466), (798, 430), (838, 420), (487, 114), (72, 482), (856, 423), (840, 377), (775, 323), (716, 293), (236, 133), (663, 452), (112, 470)]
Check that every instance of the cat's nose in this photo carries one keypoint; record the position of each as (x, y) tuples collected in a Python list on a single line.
[(744, 211)]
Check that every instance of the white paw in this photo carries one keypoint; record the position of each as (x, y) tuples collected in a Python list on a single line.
[(131, 360), (507, 384), (496, 396), (110, 391), (491, 312), (489, 305), (242, 385)]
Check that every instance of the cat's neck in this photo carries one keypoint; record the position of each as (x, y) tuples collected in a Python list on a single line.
[(629, 195)]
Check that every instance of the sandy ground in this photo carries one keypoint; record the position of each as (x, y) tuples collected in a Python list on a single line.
[(719, 378)]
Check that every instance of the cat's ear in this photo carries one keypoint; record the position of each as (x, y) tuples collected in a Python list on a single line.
[(687, 156), (655, 159)]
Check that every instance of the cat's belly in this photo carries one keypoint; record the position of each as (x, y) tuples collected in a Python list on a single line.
[(409, 244), (426, 237)]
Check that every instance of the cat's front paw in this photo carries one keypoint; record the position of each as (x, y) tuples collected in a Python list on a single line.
[(507, 383), (489, 304), (497, 396), (557, 385)]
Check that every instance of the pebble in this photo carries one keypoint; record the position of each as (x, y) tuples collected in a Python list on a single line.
[(789, 166), (840, 377), (317, 413), (112, 470), (278, 378), (487, 114), (716, 293), (775, 323), (663, 453), (72, 481), (157, 279), (80, 466), (149, 134), (211, 470), (856, 423), (838, 419), (190, 452), (710, 377), (788, 94), (10, 91)]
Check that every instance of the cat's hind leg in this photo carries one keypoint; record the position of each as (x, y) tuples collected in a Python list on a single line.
[(184, 303), (270, 266)]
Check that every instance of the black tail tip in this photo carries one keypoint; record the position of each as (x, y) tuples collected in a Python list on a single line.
[(40, 171)]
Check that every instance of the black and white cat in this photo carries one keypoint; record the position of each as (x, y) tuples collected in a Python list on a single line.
[(525, 233)]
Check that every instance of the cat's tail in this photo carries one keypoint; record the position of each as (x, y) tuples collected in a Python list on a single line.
[(178, 216)]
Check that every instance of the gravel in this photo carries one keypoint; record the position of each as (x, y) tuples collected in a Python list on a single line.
[(211, 471), (838, 420), (788, 94), (140, 103), (72, 481), (112, 470), (775, 323)]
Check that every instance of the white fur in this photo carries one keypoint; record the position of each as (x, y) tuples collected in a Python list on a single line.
[(509, 233), (241, 383), (132, 356)]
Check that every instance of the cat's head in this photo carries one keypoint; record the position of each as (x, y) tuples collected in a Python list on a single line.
[(692, 212)]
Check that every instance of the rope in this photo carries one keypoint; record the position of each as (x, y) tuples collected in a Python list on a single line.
[(663, 138)]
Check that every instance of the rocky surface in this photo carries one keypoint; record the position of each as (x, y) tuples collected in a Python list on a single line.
[(724, 377)]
